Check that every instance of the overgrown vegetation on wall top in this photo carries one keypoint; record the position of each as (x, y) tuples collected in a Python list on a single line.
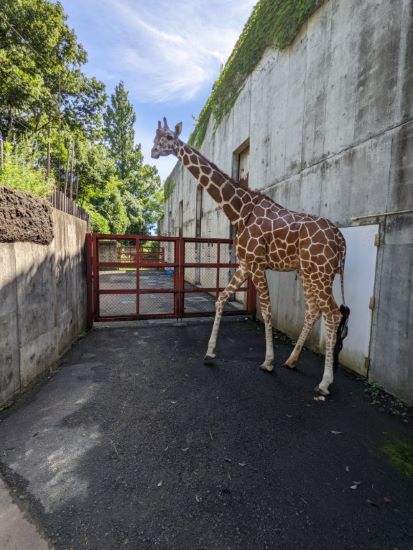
[(273, 23)]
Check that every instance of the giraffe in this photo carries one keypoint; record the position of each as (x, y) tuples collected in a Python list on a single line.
[(271, 237)]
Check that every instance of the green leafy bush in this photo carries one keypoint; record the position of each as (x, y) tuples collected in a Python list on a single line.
[(21, 170), (98, 223)]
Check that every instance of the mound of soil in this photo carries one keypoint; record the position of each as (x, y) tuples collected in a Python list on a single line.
[(24, 217)]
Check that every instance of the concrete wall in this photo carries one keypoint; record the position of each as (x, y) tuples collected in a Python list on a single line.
[(42, 302), (330, 126)]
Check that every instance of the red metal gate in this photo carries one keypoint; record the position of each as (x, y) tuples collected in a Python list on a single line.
[(143, 277)]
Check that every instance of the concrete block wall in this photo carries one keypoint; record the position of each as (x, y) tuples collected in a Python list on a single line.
[(330, 127), (42, 303)]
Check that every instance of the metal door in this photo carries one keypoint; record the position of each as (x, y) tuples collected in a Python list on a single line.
[(359, 278)]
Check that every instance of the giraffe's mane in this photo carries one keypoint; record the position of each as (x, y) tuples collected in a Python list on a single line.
[(258, 193), (254, 192)]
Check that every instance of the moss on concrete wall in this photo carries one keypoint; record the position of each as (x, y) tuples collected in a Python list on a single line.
[(273, 23)]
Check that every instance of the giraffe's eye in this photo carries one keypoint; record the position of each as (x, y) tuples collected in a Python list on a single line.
[(169, 138)]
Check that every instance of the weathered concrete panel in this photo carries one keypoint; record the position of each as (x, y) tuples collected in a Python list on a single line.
[(392, 342), (35, 290), (37, 356), (8, 284), (9, 348), (401, 174), (239, 117), (42, 302), (9, 356)]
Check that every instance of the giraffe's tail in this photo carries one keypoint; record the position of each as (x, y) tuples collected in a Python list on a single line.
[(342, 329), (342, 263)]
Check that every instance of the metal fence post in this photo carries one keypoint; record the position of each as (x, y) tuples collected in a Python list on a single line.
[(89, 280)]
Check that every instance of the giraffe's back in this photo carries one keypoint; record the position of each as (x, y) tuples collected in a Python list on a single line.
[(287, 241)]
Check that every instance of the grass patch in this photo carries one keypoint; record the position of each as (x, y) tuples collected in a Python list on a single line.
[(400, 454), (6, 406)]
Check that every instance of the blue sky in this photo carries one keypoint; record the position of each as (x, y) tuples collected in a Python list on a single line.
[(167, 53)]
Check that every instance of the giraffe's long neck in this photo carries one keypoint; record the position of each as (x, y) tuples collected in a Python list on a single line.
[(230, 196)]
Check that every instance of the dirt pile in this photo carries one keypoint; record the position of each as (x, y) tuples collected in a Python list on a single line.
[(24, 217)]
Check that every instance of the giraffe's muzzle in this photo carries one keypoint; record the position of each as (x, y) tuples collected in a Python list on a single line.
[(155, 153)]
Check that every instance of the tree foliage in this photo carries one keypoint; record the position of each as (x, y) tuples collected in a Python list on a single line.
[(21, 171), (57, 128), (119, 119), (140, 192), (40, 70)]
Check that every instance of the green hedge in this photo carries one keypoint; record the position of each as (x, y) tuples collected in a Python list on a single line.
[(273, 23)]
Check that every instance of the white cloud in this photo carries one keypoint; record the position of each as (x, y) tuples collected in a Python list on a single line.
[(168, 51)]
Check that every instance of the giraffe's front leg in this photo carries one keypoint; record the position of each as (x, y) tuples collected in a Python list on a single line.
[(210, 354), (236, 281), (260, 282)]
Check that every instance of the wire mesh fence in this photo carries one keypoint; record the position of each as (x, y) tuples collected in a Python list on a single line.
[(134, 277)]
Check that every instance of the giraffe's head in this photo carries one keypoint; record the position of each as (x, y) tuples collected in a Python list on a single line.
[(166, 140)]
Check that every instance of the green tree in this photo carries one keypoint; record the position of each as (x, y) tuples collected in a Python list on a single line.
[(20, 169), (98, 223), (140, 193), (147, 186), (51, 118), (119, 119), (40, 70), (116, 212)]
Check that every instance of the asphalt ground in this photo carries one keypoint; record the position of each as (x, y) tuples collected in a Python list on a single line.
[(134, 443)]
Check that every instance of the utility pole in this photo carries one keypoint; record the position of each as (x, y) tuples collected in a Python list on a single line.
[(67, 168), (77, 188), (59, 176), (48, 152), (72, 165)]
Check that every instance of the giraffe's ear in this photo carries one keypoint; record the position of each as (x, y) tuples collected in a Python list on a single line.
[(178, 129)]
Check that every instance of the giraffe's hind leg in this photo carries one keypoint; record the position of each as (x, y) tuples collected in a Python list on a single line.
[(331, 316), (260, 282), (236, 281), (312, 314)]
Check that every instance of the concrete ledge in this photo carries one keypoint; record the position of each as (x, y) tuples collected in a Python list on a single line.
[(16, 531)]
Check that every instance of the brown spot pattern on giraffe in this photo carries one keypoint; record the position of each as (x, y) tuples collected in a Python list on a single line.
[(194, 171)]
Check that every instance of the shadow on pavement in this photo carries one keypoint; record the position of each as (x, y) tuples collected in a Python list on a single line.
[(134, 443)]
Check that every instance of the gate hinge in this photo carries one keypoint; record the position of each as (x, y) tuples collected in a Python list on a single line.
[(372, 302), (377, 239)]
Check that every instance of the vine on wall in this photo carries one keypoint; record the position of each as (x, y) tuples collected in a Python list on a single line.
[(168, 187), (273, 23)]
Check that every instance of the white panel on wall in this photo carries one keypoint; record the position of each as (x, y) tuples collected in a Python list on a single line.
[(359, 275)]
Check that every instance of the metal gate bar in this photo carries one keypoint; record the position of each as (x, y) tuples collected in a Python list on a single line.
[(129, 259)]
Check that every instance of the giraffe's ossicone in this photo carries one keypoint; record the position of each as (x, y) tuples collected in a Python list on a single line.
[(269, 236)]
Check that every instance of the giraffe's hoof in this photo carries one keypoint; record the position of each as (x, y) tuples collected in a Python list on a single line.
[(209, 359), (321, 391), (267, 368), (288, 366)]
